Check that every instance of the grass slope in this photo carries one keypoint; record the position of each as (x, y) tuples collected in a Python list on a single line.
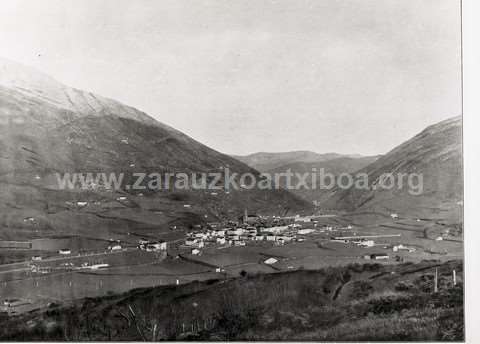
[(355, 303)]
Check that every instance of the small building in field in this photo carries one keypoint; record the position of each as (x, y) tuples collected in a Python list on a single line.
[(153, 246), (115, 248), (65, 251), (270, 261), (195, 251), (366, 243), (379, 256), (156, 246)]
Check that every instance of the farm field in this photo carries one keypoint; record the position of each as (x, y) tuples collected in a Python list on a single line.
[(131, 268)]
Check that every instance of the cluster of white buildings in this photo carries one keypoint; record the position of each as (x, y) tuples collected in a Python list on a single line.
[(239, 236), (152, 246)]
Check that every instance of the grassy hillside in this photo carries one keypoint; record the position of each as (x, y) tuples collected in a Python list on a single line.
[(435, 154), (359, 302), (48, 128)]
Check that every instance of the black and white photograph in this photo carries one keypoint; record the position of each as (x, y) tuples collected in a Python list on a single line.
[(244, 170)]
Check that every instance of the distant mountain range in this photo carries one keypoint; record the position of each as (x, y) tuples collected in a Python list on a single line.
[(264, 162), (435, 154), (47, 127), (302, 162)]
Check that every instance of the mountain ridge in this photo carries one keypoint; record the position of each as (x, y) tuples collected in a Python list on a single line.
[(46, 130), (435, 153), (265, 161)]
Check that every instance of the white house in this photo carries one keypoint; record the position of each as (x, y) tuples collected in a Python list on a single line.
[(271, 237), (236, 231), (270, 261), (65, 251), (221, 240), (219, 232), (379, 256), (276, 229), (306, 231), (195, 251), (394, 215), (99, 266), (191, 241), (367, 243)]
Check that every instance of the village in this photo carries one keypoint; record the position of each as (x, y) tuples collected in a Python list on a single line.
[(249, 244), (253, 230)]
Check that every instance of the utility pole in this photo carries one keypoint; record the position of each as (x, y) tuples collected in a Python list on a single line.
[(435, 288), (154, 332)]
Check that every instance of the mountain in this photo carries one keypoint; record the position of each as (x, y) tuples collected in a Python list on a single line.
[(263, 161), (48, 128), (433, 158), (301, 162), (335, 166)]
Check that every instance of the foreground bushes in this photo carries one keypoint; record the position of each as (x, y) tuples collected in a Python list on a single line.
[(358, 302)]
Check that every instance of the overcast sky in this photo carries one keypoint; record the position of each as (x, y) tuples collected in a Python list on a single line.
[(251, 75)]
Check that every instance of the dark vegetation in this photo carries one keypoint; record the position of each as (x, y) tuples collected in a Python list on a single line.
[(357, 302)]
